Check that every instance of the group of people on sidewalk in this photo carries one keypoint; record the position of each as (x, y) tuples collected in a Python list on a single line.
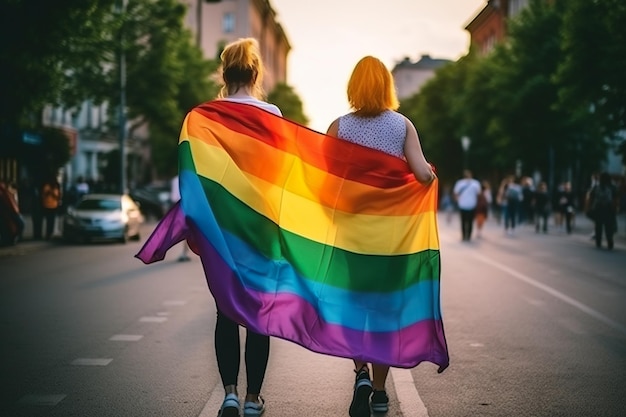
[(44, 204), (519, 202)]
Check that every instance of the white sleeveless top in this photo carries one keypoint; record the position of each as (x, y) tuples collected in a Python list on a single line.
[(256, 102), (385, 132)]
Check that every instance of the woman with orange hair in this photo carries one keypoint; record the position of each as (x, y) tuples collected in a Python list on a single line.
[(242, 74), (375, 123)]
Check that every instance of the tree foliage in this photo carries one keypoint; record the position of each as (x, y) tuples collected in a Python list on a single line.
[(438, 125), (547, 96), (41, 40), (592, 74), (289, 103)]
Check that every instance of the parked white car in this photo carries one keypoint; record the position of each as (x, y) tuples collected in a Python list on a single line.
[(103, 216)]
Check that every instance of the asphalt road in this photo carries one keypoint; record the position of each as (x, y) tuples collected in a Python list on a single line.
[(536, 326)]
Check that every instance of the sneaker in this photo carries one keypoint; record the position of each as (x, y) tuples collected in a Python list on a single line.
[(380, 402), (360, 407), (252, 408), (230, 407)]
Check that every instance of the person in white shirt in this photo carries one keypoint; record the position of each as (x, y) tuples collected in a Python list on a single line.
[(466, 191)]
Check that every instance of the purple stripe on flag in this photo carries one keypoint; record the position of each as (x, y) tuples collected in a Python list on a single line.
[(292, 318)]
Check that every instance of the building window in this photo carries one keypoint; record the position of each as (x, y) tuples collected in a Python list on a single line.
[(228, 22)]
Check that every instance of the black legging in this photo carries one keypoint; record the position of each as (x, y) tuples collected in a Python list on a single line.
[(607, 222), (467, 223), (227, 348)]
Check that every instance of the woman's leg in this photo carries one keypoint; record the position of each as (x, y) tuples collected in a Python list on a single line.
[(598, 226), (360, 406), (257, 355), (379, 376), (379, 400), (568, 221), (227, 351)]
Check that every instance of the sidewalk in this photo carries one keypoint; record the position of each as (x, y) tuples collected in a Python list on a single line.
[(28, 244)]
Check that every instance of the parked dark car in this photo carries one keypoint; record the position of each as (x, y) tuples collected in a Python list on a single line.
[(154, 201), (103, 216)]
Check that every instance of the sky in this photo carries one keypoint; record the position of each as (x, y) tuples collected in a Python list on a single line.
[(328, 38)]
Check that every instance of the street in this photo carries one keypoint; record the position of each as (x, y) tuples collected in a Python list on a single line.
[(535, 324)]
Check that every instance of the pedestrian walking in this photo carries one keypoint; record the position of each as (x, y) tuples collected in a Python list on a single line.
[(447, 204), (602, 205), (466, 191), (541, 207), (566, 206), (51, 201), (11, 221), (526, 215), (482, 207), (242, 75), (512, 196), (375, 123)]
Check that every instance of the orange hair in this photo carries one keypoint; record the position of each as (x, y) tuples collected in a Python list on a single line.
[(242, 66), (371, 89)]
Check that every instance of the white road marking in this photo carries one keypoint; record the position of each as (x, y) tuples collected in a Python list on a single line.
[(42, 400), (555, 293), (126, 337), (410, 402), (153, 319), (214, 403), (163, 313), (91, 361)]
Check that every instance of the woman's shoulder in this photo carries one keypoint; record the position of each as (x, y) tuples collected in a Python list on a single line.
[(272, 108)]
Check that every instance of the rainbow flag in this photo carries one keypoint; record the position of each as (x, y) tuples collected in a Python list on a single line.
[(313, 239)]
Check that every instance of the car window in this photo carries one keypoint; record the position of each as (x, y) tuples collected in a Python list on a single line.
[(93, 204)]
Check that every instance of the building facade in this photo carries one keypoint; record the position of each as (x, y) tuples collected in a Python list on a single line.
[(410, 76), (218, 23), (488, 27)]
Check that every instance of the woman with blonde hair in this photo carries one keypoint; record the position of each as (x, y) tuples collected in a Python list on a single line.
[(242, 75), (375, 123)]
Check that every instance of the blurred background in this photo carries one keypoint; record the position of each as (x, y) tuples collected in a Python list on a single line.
[(95, 91)]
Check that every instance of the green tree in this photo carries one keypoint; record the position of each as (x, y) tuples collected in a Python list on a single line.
[(525, 91), (479, 103), (434, 113), (166, 74), (40, 41), (289, 103), (591, 76)]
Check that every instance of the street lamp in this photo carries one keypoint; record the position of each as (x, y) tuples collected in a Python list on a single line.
[(465, 144), (122, 103)]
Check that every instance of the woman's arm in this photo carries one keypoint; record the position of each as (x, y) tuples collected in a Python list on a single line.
[(422, 170), (333, 129)]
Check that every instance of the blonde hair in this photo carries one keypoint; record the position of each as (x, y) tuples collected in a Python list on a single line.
[(371, 89), (242, 66)]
